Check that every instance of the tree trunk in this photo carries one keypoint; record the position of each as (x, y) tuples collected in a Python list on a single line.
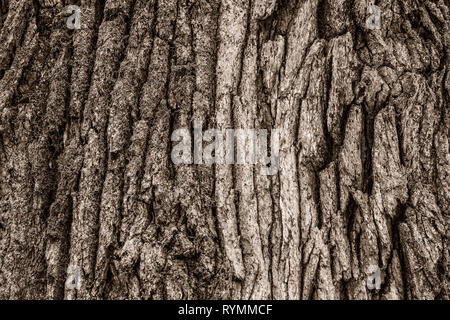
[(86, 177)]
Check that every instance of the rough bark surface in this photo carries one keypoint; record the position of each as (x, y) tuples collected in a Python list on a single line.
[(86, 178)]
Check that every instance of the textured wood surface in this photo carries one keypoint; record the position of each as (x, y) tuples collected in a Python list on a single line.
[(86, 177)]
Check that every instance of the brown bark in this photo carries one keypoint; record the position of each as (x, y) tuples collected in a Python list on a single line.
[(86, 177)]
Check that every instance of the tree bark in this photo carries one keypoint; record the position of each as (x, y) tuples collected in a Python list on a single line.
[(86, 177)]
